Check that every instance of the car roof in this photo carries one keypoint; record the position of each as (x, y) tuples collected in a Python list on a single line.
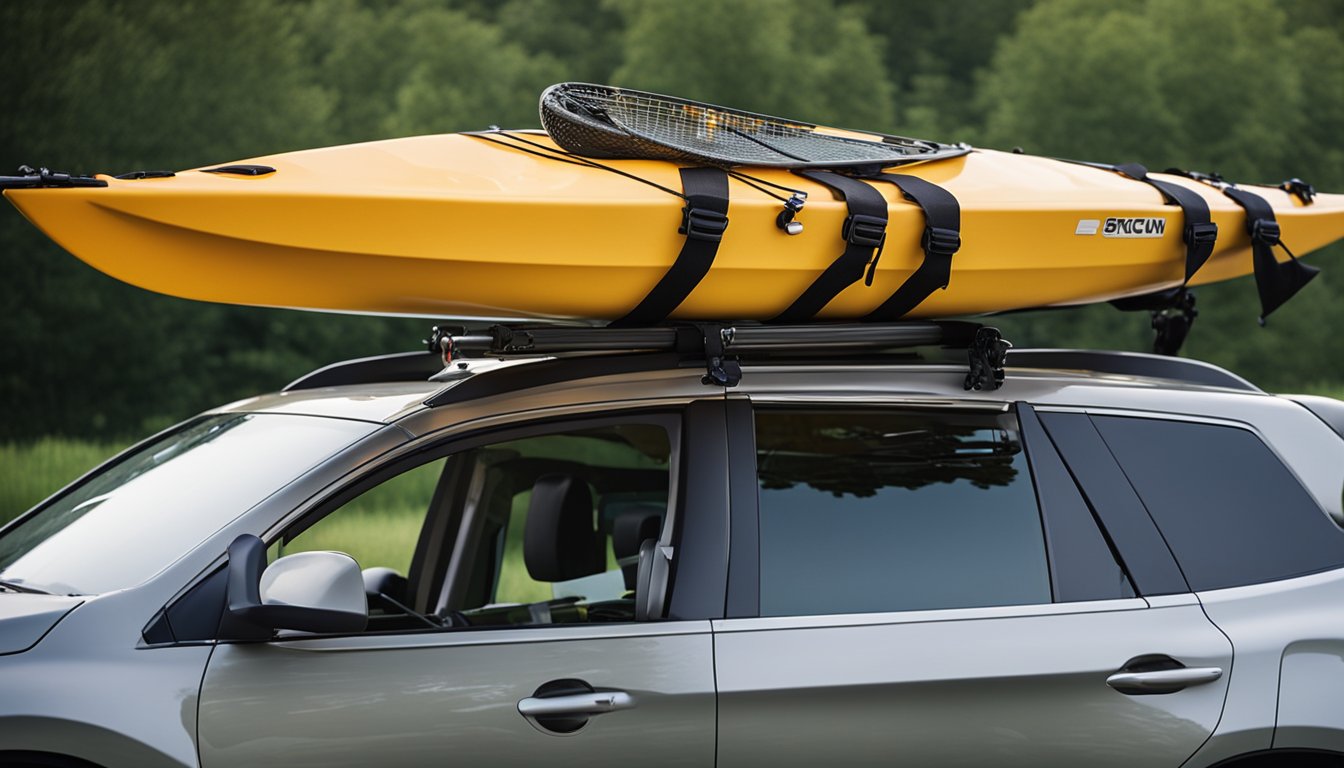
[(1063, 376)]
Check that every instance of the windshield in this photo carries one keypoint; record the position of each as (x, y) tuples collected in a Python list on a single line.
[(139, 514)]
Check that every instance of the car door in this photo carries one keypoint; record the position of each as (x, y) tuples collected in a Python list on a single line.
[(928, 586), (544, 661)]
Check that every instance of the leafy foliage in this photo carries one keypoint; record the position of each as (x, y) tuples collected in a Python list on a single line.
[(1251, 88)]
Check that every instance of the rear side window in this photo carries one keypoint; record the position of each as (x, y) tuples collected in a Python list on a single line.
[(1228, 508), (883, 510)]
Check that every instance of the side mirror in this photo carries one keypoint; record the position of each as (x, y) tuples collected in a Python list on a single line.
[(308, 591)]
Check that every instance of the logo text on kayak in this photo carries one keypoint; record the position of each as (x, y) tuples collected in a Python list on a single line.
[(1134, 227)]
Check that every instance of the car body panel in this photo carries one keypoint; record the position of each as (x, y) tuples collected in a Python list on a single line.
[(800, 690), (423, 699), (1289, 641), (25, 618), (90, 691), (1021, 686)]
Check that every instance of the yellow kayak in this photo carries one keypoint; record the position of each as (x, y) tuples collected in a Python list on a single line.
[(460, 225)]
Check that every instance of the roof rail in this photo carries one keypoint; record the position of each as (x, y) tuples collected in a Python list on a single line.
[(1131, 364), (400, 366), (720, 345), (588, 351)]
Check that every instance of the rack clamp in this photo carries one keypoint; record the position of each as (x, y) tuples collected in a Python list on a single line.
[(1173, 315), (988, 355), (1173, 324), (1301, 189), (721, 370), (440, 342)]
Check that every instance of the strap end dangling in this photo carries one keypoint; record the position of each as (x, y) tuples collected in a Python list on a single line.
[(872, 265)]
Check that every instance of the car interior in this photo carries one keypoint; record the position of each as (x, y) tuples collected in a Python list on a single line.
[(535, 531)]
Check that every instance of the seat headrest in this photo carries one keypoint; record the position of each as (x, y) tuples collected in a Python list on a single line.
[(628, 531), (559, 541)]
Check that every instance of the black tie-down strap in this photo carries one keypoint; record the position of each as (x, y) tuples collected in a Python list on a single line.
[(864, 231), (1200, 231), (1275, 281), (941, 239), (704, 219)]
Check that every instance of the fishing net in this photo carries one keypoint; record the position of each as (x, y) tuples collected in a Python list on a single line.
[(605, 122)]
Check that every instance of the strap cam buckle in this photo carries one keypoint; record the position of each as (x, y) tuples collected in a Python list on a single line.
[(940, 242), (864, 231), (1201, 234), (1265, 231), (702, 224)]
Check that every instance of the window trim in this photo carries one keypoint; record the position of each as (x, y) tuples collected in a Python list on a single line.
[(897, 618), (744, 517)]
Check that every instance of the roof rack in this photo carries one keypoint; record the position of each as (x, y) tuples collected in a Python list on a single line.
[(720, 345), (586, 351)]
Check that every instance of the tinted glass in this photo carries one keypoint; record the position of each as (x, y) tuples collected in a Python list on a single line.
[(1228, 508), (871, 510), (1081, 560), (125, 523)]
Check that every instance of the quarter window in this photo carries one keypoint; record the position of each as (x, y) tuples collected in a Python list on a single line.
[(1231, 512), (886, 510)]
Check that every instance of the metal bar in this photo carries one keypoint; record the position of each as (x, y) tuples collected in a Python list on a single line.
[(505, 341)]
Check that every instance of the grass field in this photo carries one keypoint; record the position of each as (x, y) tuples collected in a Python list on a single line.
[(30, 473), (378, 528)]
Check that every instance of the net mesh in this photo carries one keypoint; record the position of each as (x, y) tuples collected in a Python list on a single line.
[(606, 122)]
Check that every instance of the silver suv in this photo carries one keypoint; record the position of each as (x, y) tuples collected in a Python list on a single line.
[(827, 554)]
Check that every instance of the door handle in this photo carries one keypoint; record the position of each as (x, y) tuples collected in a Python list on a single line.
[(1162, 680), (576, 704), (562, 707)]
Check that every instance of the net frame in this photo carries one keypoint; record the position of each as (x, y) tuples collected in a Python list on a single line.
[(602, 121)]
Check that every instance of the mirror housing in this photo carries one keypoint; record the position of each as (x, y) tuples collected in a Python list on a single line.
[(384, 581), (308, 591)]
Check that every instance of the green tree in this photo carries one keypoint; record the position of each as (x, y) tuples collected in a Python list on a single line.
[(933, 53), (771, 56), (1224, 85), (421, 66), (117, 86)]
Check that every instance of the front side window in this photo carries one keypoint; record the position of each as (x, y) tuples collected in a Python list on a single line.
[(540, 529), (380, 527), (871, 510)]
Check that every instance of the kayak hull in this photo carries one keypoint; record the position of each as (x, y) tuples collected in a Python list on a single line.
[(457, 226)]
